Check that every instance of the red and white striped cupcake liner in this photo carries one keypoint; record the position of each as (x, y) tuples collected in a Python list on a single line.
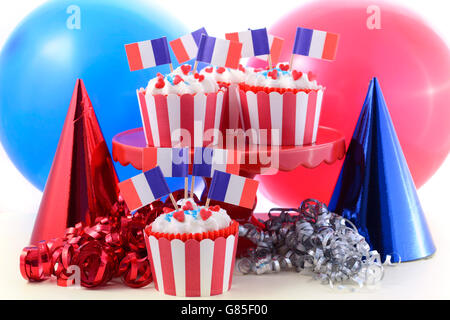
[(163, 115), (192, 268), (286, 119)]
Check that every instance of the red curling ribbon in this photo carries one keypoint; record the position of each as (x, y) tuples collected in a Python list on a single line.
[(113, 246)]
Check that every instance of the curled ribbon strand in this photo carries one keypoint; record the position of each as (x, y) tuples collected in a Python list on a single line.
[(113, 247), (314, 239)]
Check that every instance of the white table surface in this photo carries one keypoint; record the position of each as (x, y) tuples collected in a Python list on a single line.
[(425, 279)]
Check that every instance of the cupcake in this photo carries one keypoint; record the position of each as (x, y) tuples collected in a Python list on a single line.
[(229, 79), (283, 106), (192, 250), (172, 104)]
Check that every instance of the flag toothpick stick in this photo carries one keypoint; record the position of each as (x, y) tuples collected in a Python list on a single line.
[(173, 201), (192, 186), (186, 187), (207, 202)]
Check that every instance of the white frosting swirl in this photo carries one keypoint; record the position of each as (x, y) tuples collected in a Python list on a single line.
[(227, 75), (193, 222), (181, 82), (283, 79)]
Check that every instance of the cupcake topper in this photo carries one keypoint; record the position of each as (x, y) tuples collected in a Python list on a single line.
[(186, 47), (219, 52), (148, 54), (276, 45), (232, 189), (207, 160), (254, 42), (145, 188), (315, 43), (174, 162)]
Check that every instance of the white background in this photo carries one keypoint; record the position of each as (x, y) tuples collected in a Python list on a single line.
[(19, 200)]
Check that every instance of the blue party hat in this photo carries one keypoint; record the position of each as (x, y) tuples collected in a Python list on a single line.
[(375, 189)]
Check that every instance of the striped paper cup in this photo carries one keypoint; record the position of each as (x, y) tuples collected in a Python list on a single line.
[(167, 118), (231, 117), (288, 119), (192, 267)]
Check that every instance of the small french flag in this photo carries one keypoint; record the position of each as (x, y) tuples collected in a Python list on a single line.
[(315, 43), (276, 45), (219, 52), (144, 188), (206, 160), (174, 162), (147, 54), (233, 189), (186, 47), (254, 42)]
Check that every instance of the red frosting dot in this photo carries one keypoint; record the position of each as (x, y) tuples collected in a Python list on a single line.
[(159, 75), (214, 208), (241, 67), (220, 70), (209, 69)]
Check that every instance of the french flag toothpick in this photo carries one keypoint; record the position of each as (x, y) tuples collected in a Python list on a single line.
[(174, 162), (207, 160), (186, 47), (276, 45), (144, 188), (254, 42), (148, 54), (232, 189), (315, 43), (219, 52)]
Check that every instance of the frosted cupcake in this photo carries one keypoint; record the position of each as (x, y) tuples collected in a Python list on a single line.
[(281, 106), (229, 79), (192, 250), (172, 104)]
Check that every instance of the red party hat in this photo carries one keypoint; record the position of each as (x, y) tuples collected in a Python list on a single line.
[(82, 183)]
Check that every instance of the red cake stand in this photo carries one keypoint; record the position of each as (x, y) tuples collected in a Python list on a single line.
[(329, 147)]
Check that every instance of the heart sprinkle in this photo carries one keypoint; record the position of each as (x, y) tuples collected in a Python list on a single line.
[(179, 216), (205, 214), (186, 68)]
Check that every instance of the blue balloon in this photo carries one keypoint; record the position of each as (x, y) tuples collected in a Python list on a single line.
[(56, 44)]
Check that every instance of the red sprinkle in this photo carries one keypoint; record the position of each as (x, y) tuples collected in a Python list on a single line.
[(273, 74), (160, 83), (188, 206), (179, 215), (177, 79), (200, 77), (186, 68), (159, 75), (209, 69), (284, 67), (241, 67), (220, 70), (205, 214), (215, 208), (296, 74)]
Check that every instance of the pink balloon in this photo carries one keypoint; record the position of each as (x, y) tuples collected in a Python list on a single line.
[(413, 66)]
